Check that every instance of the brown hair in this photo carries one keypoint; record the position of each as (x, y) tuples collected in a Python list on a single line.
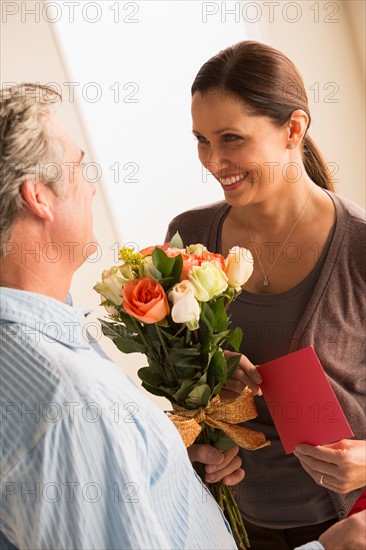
[(269, 84)]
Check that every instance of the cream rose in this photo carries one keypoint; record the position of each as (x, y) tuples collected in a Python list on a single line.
[(185, 308), (239, 266), (208, 280), (196, 249), (113, 280)]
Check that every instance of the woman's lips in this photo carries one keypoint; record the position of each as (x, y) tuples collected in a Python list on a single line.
[(230, 183)]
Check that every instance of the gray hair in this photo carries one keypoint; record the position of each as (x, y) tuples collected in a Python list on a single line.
[(27, 150)]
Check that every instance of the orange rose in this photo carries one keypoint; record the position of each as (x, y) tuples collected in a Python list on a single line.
[(145, 300), (189, 260)]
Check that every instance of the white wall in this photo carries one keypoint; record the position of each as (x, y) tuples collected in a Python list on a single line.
[(326, 45)]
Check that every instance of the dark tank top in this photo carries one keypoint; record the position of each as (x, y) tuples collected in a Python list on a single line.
[(276, 491)]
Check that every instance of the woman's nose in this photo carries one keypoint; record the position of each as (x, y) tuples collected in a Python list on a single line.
[(215, 161)]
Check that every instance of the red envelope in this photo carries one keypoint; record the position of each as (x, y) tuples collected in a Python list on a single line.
[(301, 401)]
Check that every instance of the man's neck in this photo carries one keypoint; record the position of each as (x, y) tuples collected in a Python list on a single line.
[(52, 280)]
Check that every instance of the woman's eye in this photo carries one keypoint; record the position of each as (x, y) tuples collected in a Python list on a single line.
[(201, 139), (231, 137)]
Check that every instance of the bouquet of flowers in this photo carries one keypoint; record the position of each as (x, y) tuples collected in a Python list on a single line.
[(169, 303)]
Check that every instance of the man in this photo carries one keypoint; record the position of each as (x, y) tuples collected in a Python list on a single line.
[(87, 461)]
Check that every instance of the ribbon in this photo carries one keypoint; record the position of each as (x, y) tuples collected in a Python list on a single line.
[(222, 415)]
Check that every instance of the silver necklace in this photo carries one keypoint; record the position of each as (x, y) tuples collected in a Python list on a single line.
[(265, 275)]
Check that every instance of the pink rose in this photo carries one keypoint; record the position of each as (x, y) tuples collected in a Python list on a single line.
[(145, 300)]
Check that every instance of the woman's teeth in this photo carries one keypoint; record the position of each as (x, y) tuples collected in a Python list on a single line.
[(233, 179)]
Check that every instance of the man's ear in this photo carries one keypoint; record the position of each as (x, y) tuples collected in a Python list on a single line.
[(37, 197)]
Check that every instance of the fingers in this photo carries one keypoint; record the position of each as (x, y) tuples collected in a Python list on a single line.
[(206, 454), (346, 534), (245, 375), (333, 465), (323, 478), (229, 470), (220, 465), (327, 453)]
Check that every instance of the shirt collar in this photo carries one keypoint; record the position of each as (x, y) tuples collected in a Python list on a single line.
[(56, 320)]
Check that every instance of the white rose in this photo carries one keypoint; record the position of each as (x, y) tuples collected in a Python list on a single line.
[(185, 308), (113, 280), (239, 266), (208, 280)]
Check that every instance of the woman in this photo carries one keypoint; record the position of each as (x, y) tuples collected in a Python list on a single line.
[(251, 118)]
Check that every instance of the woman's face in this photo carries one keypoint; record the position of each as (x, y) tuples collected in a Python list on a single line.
[(247, 154)]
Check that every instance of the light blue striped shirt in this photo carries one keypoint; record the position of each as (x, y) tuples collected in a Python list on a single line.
[(87, 461)]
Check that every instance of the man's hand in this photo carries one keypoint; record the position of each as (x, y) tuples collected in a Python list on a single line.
[(220, 465), (340, 466), (346, 534), (245, 375)]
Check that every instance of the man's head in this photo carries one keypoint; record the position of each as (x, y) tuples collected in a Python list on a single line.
[(43, 191), (26, 150)]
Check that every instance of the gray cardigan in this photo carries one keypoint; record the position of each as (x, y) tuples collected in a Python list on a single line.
[(334, 320)]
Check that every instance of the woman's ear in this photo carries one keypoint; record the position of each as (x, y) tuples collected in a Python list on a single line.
[(37, 197), (297, 126)]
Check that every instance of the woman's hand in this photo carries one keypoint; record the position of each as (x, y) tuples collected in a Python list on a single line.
[(245, 375), (220, 465), (340, 466)]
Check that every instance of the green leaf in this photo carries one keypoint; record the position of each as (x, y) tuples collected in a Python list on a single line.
[(163, 392), (199, 396), (149, 377), (132, 325), (176, 241), (155, 366), (234, 338), (220, 316), (208, 316), (188, 372), (232, 364), (220, 338), (219, 440), (217, 369), (129, 345), (162, 262), (206, 323), (112, 329), (172, 337), (177, 268), (186, 387)]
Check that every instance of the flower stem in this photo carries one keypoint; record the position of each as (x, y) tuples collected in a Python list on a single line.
[(224, 497)]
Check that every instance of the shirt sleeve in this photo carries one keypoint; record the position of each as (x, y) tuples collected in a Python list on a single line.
[(82, 487), (314, 545)]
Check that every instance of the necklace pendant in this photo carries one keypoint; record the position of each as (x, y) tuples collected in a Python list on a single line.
[(265, 281)]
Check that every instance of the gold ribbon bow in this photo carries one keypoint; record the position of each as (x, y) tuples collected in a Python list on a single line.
[(222, 415)]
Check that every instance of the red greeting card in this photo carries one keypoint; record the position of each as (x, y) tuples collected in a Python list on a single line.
[(301, 401)]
